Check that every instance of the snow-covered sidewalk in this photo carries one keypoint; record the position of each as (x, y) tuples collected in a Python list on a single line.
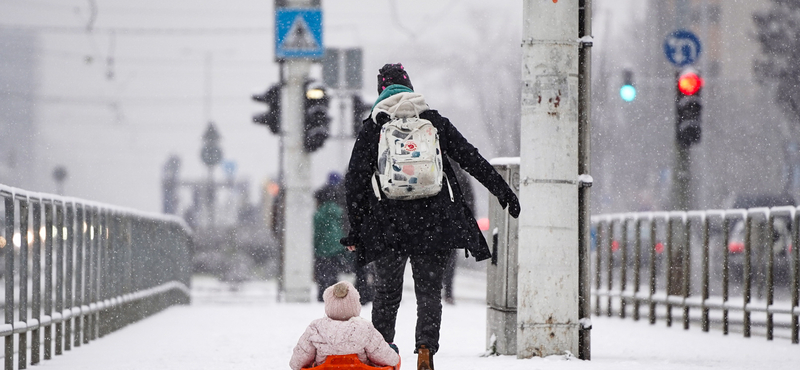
[(248, 329)]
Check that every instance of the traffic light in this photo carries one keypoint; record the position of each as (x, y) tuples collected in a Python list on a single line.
[(627, 92), (688, 107), (360, 112), (271, 118), (315, 116)]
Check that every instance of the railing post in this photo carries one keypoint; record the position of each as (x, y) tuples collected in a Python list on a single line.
[(686, 259), (652, 286), (9, 278), (98, 268), (69, 270), (50, 233), (668, 269), (22, 340), (62, 233), (770, 272), (80, 247), (623, 273), (725, 272), (706, 273), (746, 277), (102, 272), (637, 268), (796, 276), (89, 245), (610, 282), (598, 253), (36, 275)]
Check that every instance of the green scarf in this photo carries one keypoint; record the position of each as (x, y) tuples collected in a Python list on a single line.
[(391, 90)]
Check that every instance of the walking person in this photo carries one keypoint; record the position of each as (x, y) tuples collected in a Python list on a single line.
[(390, 229), (329, 256)]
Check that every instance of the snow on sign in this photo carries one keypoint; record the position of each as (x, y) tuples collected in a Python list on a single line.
[(682, 48), (298, 33)]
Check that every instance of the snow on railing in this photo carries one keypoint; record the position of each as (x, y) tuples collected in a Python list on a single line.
[(716, 262), (92, 268)]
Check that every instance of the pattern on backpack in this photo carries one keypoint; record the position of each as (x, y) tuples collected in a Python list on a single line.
[(409, 159)]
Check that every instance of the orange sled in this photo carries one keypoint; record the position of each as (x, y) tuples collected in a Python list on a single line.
[(348, 362)]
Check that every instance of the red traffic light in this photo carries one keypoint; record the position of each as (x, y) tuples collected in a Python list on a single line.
[(689, 83)]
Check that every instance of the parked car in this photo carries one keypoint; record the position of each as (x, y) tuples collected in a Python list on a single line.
[(779, 243)]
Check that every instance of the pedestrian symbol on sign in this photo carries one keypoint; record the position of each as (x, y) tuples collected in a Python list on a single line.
[(298, 33), (299, 37)]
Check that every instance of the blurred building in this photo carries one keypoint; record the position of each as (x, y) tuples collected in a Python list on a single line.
[(18, 81), (746, 146)]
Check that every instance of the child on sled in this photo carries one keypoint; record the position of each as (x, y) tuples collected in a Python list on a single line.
[(342, 332)]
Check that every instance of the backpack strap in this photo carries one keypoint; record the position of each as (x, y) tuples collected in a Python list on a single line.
[(375, 188), (447, 180)]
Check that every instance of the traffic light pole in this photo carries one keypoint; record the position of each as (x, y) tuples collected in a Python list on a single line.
[(681, 178), (298, 256)]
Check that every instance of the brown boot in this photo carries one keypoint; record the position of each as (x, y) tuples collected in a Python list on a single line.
[(424, 358)]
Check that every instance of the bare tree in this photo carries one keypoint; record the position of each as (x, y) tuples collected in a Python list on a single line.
[(778, 31)]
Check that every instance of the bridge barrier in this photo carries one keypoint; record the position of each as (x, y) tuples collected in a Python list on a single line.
[(76, 270), (713, 265)]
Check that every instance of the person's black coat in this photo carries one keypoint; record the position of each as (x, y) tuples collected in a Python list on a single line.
[(420, 225)]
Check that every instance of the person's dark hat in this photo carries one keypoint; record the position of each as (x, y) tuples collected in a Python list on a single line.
[(393, 74)]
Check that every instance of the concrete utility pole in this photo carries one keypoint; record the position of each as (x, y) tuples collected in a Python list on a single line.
[(298, 254), (547, 306)]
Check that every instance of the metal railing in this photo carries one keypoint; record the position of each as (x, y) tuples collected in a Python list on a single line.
[(76, 270), (709, 264)]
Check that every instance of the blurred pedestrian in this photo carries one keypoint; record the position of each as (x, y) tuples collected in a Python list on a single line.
[(329, 256), (424, 230), (335, 190)]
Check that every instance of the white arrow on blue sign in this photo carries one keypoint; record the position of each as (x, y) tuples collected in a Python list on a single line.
[(682, 48), (298, 33)]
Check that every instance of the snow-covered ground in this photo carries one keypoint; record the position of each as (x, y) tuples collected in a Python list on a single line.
[(248, 329)]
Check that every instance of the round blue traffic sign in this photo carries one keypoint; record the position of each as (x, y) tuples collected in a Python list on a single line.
[(682, 48)]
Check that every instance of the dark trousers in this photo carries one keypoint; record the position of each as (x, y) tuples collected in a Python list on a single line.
[(365, 282), (427, 271), (449, 275), (326, 273)]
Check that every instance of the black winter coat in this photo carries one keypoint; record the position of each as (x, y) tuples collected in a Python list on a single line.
[(420, 225)]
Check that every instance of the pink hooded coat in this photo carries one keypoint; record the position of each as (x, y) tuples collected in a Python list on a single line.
[(342, 332)]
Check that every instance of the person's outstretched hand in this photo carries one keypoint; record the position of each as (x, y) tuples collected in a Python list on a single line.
[(510, 200)]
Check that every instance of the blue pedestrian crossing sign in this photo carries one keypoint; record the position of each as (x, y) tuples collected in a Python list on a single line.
[(298, 33), (682, 48)]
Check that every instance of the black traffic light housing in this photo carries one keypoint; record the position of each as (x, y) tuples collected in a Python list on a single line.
[(271, 118), (315, 116), (688, 107), (360, 112)]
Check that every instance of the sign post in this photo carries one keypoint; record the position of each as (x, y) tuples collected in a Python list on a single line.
[(682, 48), (298, 41)]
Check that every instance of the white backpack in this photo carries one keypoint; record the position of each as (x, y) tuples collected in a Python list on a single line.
[(409, 159)]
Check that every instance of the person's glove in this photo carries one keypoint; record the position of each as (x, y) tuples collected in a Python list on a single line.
[(510, 200), (394, 347)]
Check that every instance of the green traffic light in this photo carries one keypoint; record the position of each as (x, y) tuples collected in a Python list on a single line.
[(628, 93)]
